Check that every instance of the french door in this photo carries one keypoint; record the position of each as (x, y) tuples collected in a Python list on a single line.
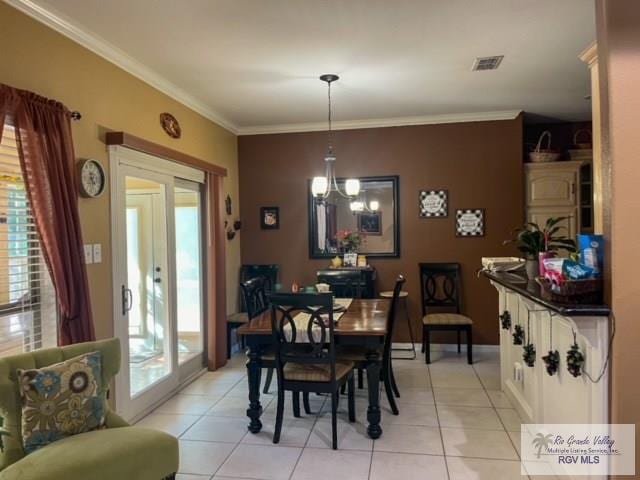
[(158, 263)]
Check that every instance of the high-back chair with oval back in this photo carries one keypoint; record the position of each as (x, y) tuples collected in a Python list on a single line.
[(441, 289), (303, 334)]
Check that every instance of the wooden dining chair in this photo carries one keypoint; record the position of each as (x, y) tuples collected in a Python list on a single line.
[(344, 283), (303, 334), (358, 355), (256, 302), (441, 288)]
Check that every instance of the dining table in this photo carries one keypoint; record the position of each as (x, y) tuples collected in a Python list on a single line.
[(363, 324)]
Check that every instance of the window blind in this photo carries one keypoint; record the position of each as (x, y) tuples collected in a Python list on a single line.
[(28, 313)]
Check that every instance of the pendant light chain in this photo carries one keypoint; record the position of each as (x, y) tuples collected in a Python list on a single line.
[(329, 110)]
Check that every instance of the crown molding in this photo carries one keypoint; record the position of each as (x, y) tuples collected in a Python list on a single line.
[(381, 122), (119, 58)]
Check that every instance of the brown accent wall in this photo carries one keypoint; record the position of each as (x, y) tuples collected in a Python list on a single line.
[(619, 68), (479, 164)]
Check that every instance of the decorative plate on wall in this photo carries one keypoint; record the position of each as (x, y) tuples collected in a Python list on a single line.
[(434, 203), (470, 222), (170, 125)]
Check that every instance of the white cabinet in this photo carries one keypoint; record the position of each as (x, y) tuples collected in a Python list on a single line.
[(552, 190), (550, 186), (560, 398)]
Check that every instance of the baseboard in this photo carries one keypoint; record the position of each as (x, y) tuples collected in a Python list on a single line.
[(451, 347)]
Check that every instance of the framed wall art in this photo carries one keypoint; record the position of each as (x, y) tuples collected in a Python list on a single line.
[(270, 218), (433, 203), (470, 222), (370, 223)]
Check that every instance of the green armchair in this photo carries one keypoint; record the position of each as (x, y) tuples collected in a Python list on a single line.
[(119, 451)]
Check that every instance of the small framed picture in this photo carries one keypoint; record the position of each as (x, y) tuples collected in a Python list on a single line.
[(433, 203), (350, 260), (470, 222), (370, 223), (270, 218)]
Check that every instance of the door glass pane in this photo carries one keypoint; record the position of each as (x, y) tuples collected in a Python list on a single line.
[(149, 347), (188, 273)]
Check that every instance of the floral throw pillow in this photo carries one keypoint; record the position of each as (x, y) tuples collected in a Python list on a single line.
[(61, 400)]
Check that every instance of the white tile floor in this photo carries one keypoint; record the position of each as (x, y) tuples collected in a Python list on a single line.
[(454, 424)]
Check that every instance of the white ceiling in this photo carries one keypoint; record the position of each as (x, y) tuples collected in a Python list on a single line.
[(253, 65)]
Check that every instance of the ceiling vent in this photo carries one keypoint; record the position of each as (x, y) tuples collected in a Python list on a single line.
[(487, 63)]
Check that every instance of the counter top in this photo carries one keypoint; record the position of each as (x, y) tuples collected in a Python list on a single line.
[(531, 290)]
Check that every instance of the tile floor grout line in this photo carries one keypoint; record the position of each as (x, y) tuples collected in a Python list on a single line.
[(435, 404), (499, 417)]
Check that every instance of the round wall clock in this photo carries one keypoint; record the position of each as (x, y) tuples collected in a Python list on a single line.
[(92, 178), (170, 125)]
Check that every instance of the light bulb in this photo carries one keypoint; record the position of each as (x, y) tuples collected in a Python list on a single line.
[(356, 206), (319, 186), (352, 187), (374, 205)]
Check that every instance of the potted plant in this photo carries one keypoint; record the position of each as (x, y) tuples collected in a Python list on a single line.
[(348, 241), (536, 243)]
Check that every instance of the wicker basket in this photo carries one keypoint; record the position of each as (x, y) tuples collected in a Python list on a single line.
[(573, 292), (540, 154), (582, 139)]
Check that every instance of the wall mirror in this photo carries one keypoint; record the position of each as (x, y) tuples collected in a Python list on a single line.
[(371, 219)]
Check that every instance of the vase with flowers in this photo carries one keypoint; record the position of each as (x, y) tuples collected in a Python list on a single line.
[(537, 244), (348, 241)]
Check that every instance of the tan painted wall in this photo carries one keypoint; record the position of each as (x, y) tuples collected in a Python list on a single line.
[(36, 58), (619, 63)]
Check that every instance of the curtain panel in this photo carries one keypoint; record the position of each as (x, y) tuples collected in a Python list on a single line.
[(45, 147)]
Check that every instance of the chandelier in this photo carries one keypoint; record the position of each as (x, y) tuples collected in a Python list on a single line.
[(322, 187)]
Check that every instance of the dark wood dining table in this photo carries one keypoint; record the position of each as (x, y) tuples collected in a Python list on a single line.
[(364, 324)]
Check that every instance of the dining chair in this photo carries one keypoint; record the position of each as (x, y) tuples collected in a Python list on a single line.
[(441, 289), (303, 334), (247, 272), (344, 283), (256, 301), (268, 271), (358, 355)]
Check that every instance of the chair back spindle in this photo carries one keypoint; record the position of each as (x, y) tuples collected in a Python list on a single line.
[(254, 296), (391, 317)]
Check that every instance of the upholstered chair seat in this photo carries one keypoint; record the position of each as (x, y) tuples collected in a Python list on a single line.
[(315, 373), (446, 319)]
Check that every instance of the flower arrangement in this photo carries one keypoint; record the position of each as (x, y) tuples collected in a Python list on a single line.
[(348, 241)]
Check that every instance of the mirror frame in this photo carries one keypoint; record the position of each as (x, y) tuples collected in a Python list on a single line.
[(395, 181)]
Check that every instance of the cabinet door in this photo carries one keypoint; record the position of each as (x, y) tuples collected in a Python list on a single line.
[(541, 215), (551, 187)]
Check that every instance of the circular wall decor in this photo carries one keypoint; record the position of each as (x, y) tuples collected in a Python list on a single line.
[(170, 125), (92, 178)]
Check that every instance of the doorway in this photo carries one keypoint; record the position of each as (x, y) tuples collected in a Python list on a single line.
[(158, 262)]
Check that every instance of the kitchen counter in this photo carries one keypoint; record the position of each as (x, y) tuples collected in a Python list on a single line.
[(549, 326), (530, 289)]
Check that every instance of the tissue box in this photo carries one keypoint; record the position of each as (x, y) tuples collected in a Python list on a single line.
[(591, 248)]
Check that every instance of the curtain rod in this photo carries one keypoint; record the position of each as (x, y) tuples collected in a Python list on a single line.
[(76, 115)]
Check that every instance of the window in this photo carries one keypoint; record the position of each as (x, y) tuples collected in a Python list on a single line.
[(28, 316)]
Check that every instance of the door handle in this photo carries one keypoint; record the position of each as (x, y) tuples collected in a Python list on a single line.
[(127, 299)]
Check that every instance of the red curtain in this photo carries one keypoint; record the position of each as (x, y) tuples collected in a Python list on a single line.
[(43, 133)]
